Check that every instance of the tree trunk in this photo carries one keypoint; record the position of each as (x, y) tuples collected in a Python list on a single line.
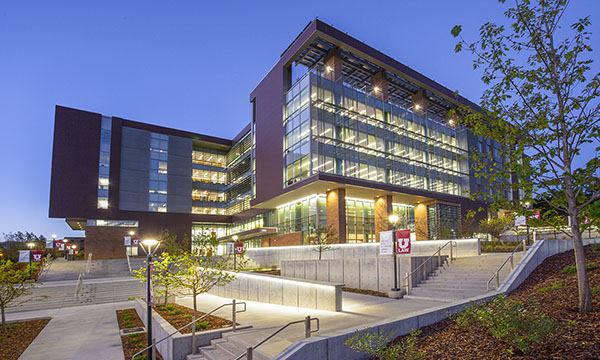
[(166, 294), (194, 349), (585, 296), (3, 321)]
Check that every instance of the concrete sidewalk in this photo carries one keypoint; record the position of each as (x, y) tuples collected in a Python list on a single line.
[(82, 332), (265, 319)]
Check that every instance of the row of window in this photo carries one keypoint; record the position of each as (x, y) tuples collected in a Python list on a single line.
[(157, 189), (104, 162)]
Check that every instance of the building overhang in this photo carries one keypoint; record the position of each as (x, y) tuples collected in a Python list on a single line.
[(355, 188), (76, 224)]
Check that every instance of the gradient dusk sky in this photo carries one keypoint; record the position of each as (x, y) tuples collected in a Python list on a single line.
[(189, 65)]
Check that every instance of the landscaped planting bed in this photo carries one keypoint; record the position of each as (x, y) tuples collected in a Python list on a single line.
[(364, 292), (133, 343), (18, 336), (549, 298), (179, 316)]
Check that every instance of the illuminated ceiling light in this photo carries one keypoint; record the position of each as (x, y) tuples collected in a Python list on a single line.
[(328, 68), (417, 106), (376, 89)]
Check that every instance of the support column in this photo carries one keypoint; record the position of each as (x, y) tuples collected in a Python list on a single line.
[(421, 225), (380, 85), (333, 65), (383, 210), (420, 103), (336, 212)]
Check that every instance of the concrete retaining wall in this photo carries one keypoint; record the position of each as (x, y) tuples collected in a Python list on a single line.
[(332, 346), (271, 289), (369, 273), (269, 256), (178, 346)]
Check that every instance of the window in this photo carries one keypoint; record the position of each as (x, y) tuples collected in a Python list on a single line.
[(157, 189), (104, 162)]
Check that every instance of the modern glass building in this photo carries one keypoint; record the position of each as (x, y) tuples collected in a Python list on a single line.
[(340, 136)]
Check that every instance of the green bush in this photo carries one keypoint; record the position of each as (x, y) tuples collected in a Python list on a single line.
[(554, 286), (202, 325), (510, 321), (376, 345), (595, 290), (170, 307), (572, 269), (175, 312)]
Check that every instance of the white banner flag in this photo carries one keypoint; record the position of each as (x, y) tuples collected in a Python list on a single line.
[(24, 256), (127, 240), (49, 244), (386, 244)]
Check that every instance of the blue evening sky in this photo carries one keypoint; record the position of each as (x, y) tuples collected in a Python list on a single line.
[(189, 65)]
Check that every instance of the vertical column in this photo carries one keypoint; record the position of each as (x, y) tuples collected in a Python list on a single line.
[(333, 65), (380, 85), (383, 209), (421, 225), (336, 212), (419, 103)]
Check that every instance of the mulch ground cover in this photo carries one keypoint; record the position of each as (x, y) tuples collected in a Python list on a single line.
[(364, 292), (18, 336), (268, 272), (551, 289), (179, 316), (133, 343)]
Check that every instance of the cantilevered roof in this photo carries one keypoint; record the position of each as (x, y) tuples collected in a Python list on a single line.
[(360, 62)]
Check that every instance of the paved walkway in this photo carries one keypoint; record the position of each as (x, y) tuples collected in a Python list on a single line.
[(358, 310), (82, 333)]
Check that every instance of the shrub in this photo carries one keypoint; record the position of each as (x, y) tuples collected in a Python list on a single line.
[(571, 269), (591, 266), (376, 344), (170, 307), (509, 321), (202, 325), (554, 286), (175, 312), (595, 290)]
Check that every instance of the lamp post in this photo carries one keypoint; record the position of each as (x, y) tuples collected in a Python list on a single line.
[(234, 237), (54, 246), (30, 246), (394, 220), (149, 246), (73, 247)]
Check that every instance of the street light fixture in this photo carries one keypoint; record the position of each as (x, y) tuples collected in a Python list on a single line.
[(54, 246), (149, 246), (65, 241), (30, 246), (394, 221)]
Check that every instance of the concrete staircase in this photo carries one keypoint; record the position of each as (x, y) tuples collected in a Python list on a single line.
[(232, 345), (464, 277)]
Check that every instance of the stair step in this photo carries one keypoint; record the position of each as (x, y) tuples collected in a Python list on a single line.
[(213, 353), (227, 347)]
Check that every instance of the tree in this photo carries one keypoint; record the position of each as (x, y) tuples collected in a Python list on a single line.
[(322, 237), (467, 226), (205, 242), (542, 107), (13, 284), (496, 226), (198, 272), (162, 279)]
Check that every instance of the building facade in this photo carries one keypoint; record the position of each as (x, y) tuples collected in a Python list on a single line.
[(340, 136)]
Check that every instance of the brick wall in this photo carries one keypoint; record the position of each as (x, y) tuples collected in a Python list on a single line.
[(106, 242), (290, 239)]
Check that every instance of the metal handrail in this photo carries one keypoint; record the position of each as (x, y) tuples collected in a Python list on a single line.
[(89, 263), (79, 284), (439, 255), (512, 265), (307, 332), (233, 303)]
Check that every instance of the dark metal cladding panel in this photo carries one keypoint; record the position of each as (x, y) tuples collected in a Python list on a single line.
[(75, 156)]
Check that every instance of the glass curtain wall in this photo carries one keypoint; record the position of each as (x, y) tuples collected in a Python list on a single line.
[(297, 216), (104, 162), (159, 154), (335, 129)]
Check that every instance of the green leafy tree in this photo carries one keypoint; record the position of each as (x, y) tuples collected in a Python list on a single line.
[(541, 105), (205, 242), (496, 226), (322, 238), (162, 279), (13, 284)]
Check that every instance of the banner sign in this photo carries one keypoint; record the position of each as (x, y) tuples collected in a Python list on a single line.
[(403, 241), (135, 241), (520, 221), (239, 248), (49, 244), (70, 251), (386, 245), (24, 256), (62, 247), (151, 297), (76, 251), (230, 246), (127, 240), (57, 244), (37, 255), (68, 246), (536, 215)]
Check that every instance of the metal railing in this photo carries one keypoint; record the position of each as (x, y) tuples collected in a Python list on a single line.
[(407, 284), (79, 285), (307, 332), (234, 311), (512, 265), (129, 264)]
